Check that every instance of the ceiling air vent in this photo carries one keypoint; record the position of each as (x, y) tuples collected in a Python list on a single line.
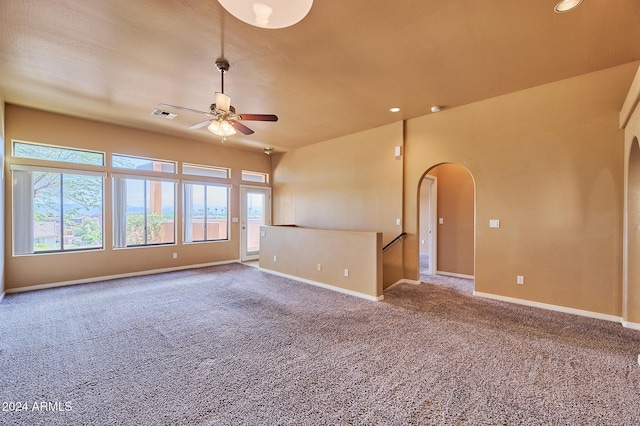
[(164, 114)]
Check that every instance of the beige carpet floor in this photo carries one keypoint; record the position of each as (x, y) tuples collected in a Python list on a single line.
[(232, 345)]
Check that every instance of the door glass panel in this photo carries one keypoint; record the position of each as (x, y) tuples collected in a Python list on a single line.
[(255, 218)]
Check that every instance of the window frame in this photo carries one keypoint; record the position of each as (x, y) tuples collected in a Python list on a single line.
[(226, 170), (150, 159), (52, 161), (17, 222), (186, 215), (263, 175), (118, 213)]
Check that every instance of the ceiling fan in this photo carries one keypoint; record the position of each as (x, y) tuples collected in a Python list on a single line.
[(222, 117)]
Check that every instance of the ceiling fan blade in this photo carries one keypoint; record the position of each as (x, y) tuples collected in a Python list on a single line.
[(259, 117), (223, 102), (184, 109), (200, 124), (242, 128)]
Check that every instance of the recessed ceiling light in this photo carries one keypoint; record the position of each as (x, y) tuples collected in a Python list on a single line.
[(435, 108), (567, 5), (394, 109)]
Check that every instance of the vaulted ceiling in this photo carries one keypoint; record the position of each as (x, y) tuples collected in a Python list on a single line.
[(335, 73)]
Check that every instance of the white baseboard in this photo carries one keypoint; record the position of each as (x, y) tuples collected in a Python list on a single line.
[(114, 277), (631, 325), (550, 307), (1, 296), (327, 286), (453, 274)]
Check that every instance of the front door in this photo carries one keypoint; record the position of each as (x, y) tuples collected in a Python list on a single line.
[(255, 211)]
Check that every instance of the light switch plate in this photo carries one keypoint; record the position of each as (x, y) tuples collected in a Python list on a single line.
[(494, 223)]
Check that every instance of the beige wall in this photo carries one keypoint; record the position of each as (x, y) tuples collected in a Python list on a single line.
[(630, 118), (456, 202), (548, 163), (38, 126), (349, 183), (2, 198), (632, 313), (322, 256)]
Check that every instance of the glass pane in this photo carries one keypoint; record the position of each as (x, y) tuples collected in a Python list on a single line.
[(160, 212), (197, 212), (217, 211), (52, 153), (140, 163), (82, 202), (135, 212), (206, 205), (46, 211), (254, 177), (255, 218), (209, 171)]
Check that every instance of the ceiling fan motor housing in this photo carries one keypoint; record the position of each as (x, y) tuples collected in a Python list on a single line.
[(222, 65), (212, 108)]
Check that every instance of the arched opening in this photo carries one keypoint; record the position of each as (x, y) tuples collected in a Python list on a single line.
[(631, 303), (446, 226)]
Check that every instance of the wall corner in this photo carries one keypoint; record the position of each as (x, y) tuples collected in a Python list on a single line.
[(631, 101)]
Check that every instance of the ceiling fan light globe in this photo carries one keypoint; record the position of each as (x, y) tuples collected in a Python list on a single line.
[(226, 126), (221, 128)]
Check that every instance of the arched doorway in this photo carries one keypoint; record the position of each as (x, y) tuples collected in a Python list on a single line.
[(631, 302), (446, 228)]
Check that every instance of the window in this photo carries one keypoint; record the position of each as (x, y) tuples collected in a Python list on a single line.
[(141, 163), (206, 212), (255, 176), (143, 211), (207, 171), (55, 153), (56, 210)]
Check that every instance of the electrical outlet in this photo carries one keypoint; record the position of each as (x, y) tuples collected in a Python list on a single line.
[(346, 272), (441, 220), (319, 267), (519, 279), (175, 255), (275, 258)]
